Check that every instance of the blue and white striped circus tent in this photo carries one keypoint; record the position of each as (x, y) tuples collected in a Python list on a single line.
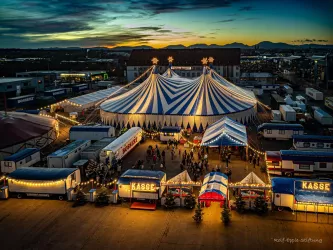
[(172, 100), (225, 132)]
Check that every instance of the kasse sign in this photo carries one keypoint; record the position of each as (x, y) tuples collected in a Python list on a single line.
[(316, 186)]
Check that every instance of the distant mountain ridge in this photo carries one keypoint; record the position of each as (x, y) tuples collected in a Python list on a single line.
[(261, 45)]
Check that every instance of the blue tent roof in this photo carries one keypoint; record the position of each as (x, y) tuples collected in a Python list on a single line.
[(143, 174), (90, 128), (207, 95), (316, 156), (225, 132), (21, 154), (282, 185), (313, 138), (41, 174)]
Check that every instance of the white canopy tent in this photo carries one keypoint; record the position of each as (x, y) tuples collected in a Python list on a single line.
[(89, 100)]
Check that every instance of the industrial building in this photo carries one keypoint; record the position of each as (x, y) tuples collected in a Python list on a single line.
[(83, 76), (48, 76), (13, 86)]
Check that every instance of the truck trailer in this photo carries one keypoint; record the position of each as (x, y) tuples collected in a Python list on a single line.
[(43, 182), (93, 133), (314, 94), (66, 156), (322, 117), (288, 113), (122, 145), (24, 158), (93, 151)]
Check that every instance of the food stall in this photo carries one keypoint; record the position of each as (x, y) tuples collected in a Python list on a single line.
[(141, 184), (307, 195), (250, 188), (170, 133)]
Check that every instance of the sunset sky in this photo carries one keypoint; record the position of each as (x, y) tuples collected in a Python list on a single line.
[(158, 23)]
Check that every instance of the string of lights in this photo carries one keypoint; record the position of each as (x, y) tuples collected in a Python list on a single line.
[(57, 116), (151, 134), (97, 183), (36, 184)]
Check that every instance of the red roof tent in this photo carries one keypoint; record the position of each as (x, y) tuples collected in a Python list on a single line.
[(273, 156), (212, 196)]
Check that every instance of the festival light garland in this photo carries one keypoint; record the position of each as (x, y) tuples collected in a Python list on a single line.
[(97, 183), (36, 184), (68, 119)]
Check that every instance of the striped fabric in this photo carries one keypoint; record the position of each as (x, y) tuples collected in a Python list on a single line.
[(170, 94)]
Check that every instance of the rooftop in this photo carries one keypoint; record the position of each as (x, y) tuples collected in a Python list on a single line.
[(13, 79), (68, 149), (41, 174)]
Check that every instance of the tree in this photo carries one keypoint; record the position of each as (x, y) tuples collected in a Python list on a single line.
[(260, 205), (240, 204), (189, 201), (80, 199), (225, 215), (169, 201), (102, 198), (197, 217)]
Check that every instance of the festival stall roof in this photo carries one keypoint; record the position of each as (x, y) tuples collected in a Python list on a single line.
[(282, 185), (42, 174), (160, 95), (183, 179), (90, 99), (214, 188), (251, 181), (140, 175), (225, 132)]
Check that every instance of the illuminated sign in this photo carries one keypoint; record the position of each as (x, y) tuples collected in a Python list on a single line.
[(130, 145), (316, 186), (147, 187), (181, 68)]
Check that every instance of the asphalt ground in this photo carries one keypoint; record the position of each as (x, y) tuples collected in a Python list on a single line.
[(49, 224)]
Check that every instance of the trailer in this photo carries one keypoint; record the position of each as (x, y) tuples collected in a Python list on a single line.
[(276, 115), (301, 99), (93, 133), (80, 88), (313, 142), (300, 105), (307, 195), (170, 133), (270, 86), (43, 182), (24, 158), (94, 150), (288, 113), (329, 102), (280, 131), (141, 184), (122, 145), (56, 92), (288, 89), (299, 163), (276, 101), (314, 94), (322, 117), (66, 156), (21, 101)]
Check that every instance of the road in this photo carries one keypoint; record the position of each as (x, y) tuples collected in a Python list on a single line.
[(48, 224)]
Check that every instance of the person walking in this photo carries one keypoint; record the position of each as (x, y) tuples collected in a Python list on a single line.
[(172, 154), (258, 160), (161, 166), (154, 158), (254, 162), (119, 169), (191, 154), (181, 167)]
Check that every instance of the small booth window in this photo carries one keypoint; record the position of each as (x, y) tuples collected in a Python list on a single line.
[(27, 159), (269, 131), (320, 145), (306, 144), (281, 132), (296, 132), (275, 163), (322, 165), (304, 166)]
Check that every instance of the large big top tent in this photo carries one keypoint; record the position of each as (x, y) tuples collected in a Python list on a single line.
[(225, 132), (176, 101)]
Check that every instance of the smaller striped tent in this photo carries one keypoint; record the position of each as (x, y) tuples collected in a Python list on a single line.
[(225, 132), (214, 188)]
